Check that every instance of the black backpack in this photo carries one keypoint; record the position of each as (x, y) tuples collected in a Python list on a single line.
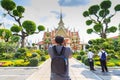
[(59, 62), (103, 56)]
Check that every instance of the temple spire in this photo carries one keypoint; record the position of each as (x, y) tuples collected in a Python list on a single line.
[(61, 15), (47, 30), (61, 24)]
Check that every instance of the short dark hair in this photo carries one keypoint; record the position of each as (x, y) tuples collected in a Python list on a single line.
[(59, 39), (103, 48)]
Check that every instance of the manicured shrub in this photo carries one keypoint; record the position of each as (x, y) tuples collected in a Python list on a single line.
[(43, 58), (82, 53), (34, 62), (28, 54), (117, 64), (7, 64), (21, 50), (78, 57), (25, 63), (17, 55), (86, 61), (110, 64), (97, 63), (18, 62), (39, 52), (97, 59), (34, 54), (21, 63)]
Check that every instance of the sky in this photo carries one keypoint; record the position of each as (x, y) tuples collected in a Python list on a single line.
[(47, 12)]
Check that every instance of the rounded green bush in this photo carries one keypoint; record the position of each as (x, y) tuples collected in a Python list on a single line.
[(78, 57), (43, 58), (34, 54), (86, 61), (17, 55), (82, 53), (34, 62)]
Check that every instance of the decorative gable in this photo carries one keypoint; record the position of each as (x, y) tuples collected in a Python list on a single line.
[(61, 32)]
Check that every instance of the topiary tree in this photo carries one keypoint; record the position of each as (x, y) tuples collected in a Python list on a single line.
[(22, 29), (100, 17), (96, 44)]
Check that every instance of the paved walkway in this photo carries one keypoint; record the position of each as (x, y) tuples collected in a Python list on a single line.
[(16, 73), (78, 71)]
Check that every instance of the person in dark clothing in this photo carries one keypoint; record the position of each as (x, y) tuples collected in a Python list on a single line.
[(103, 56)]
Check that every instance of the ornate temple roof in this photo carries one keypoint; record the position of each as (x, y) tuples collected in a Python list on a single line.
[(62, 31)]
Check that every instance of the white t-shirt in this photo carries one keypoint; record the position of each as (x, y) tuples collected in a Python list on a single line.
[(90, 54), (100, 53)]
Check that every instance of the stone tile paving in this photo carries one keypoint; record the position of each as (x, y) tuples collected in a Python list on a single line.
[(113, 74), (79, 71), (43, 73), (15, 73)]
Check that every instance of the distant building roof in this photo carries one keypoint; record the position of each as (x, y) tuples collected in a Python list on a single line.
[(114, 37), (40, 43)]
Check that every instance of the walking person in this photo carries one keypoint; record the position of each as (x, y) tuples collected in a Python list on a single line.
[(103, 56), (90, 55), (56, 52)]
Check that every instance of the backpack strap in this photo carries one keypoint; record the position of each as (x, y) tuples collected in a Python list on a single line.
[(102, 52), (61, 52), (54, 50)]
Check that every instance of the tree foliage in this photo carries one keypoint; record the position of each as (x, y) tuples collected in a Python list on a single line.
[(15, 28), (29, 27), (22, 29), (5, 34), (110, 45), (100, 17), (15, 39), (8, 5)]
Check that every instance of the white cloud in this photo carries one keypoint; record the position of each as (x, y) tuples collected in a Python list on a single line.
[(72, 3)]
